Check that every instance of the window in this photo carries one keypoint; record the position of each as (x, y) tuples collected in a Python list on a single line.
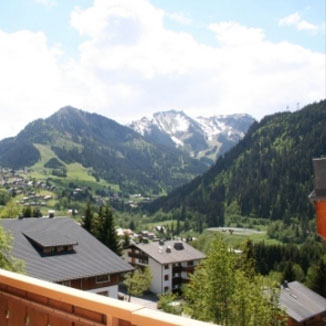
[(102, 278), (142, 261), (66, 283), (166, 289), (104, 293), (60, 249), (69, 248), (48, 250), (166, 277), (166, 266), (190, 263)]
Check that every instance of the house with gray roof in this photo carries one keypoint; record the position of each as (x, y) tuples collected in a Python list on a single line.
[(303, 306), (59, 250), (170, 262)]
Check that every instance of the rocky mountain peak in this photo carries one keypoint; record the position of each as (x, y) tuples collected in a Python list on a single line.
[(204, 138)]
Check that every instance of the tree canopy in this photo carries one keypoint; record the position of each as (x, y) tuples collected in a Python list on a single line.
[(7, 261), (223, 291), (138, 281)]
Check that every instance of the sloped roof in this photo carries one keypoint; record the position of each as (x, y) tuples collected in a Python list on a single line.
[(50, 238), (301, 303), (159, 253), (89, 258)]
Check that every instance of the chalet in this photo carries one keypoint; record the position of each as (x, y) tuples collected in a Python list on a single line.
[(170, 262), (60, 251), (303, 306)]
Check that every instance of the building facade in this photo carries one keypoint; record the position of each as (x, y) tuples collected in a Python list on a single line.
[(170, 263)]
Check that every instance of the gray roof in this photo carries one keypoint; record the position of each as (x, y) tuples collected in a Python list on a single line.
[(158, 252), (301, 303), (90, 257), (50, 238)]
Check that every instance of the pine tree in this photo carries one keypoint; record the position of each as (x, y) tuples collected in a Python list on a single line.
[(178, 230), (110, 237), (288, 274), (88, 219), (27, 211), (316, 277)]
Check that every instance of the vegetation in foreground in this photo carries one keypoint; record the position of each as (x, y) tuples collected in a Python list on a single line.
[(225, 289)]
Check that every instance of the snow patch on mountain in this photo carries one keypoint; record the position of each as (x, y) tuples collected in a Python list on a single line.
[(201, 137)]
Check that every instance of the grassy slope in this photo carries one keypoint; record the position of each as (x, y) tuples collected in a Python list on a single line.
[(234, 241), (76, 173)]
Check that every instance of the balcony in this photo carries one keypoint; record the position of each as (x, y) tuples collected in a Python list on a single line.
[(188, 269), (179, 280), (177, 269), (28, 301), (138, 256)]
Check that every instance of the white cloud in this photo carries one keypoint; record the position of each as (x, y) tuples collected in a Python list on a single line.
[(130, 65), (179, 17), (233, 33), (299, 23)]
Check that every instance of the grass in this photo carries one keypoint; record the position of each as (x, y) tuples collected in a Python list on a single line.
[(233, 240), (76, 173), (151, 226)]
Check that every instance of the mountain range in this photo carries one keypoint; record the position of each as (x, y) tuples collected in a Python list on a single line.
[(202, 138), (268, 174), (133, 162), (108, 150)]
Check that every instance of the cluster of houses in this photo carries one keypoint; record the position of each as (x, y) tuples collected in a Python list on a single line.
[(59, 250), (17, 183), (135, 199), (34, 199)]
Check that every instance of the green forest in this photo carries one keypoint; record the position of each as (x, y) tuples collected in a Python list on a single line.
[(268, 174)]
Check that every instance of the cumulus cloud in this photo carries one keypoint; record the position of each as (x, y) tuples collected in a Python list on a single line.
[(130, 65), (179, 17), (228, 33), (299, 23)]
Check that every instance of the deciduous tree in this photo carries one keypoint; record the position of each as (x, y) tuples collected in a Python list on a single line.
[(138, 281), (221, 291), (7, 261)]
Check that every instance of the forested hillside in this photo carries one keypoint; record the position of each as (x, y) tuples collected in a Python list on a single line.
[(110, 151), (268, 174)]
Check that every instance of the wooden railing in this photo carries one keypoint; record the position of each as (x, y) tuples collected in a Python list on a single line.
[(28, 301)]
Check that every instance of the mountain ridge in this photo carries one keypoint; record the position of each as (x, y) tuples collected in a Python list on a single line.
[(267, 174), (113, 152), (202, 138)]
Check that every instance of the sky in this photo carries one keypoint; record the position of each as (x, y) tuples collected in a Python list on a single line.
[(126, 59)]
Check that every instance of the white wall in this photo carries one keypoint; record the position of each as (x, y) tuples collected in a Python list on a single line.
[(156, 270)]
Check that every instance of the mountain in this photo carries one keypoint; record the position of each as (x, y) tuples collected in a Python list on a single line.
[(267, 174), (202, 138), (107, 149)]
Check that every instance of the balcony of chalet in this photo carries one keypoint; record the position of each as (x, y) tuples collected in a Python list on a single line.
[(28, 301)]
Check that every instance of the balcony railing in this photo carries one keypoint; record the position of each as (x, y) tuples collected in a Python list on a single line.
[(28, 301), (189, 269), (177, 269), (138, 256), (179, 280)]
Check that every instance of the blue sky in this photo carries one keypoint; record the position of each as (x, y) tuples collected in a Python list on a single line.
[(53, 17), (129, 58)]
